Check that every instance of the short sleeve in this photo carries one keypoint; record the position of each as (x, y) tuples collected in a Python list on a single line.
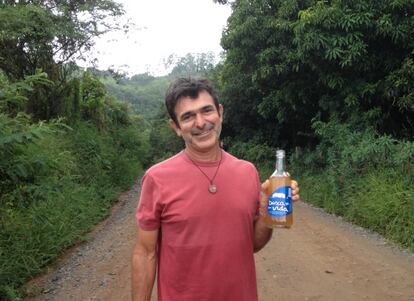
[(148, 213), (259, 190)]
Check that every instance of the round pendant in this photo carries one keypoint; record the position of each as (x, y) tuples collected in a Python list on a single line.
[(212, 188)]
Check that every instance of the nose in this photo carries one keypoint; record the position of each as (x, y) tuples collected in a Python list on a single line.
[(200, 121)]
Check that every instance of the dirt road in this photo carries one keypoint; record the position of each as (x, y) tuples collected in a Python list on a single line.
[(323, 258)]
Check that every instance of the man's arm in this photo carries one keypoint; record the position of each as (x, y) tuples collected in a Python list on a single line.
[(144, 264), (262, 234)]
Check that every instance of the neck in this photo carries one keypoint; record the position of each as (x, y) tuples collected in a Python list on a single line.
[(212, 155)]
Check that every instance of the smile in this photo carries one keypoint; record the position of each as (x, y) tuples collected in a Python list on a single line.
[(203, 133)]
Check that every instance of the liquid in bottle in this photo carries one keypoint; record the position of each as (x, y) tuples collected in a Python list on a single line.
[(279, 210)]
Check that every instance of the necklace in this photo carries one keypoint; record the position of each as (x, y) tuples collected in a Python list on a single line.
[(212, 188)]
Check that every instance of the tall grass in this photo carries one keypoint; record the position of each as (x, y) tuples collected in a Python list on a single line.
[(381, 200), (363, 176), (67, 181)]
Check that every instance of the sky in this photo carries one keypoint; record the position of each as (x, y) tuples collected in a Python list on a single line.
[(161, 28)]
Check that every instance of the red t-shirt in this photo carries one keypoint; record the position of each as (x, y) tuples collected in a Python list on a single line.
[(205, 249)]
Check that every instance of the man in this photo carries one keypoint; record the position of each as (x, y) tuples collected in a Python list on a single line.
[(198, 222)]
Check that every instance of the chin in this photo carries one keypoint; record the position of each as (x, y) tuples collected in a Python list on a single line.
[(204, 145)]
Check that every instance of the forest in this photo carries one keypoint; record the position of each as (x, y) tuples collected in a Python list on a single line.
[(331, 82)]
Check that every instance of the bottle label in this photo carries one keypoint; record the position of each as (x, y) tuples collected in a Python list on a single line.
[(280, 202)]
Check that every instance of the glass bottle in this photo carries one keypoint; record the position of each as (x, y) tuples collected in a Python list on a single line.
[(279, 210)]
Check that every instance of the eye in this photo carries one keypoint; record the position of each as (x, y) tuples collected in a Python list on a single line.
[(208, 109), (186, 117)]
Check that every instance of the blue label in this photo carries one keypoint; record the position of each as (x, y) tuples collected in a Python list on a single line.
[(280, 202)]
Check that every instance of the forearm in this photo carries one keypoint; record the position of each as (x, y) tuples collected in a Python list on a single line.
[(262, 234), (143, 274)]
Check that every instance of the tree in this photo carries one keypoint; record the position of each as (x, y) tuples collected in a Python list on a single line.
[(191, 64), (291, 63), (41, 34), (49, 36), (222, 1), (361, 52), (256, 45)]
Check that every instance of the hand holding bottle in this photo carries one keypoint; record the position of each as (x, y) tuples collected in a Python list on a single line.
[(295, 190), (279, 192), (265, 194)]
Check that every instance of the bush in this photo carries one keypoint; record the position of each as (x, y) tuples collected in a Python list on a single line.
[(56, 181), (17, 165), (67, 182), (363, 176), (164, 141)]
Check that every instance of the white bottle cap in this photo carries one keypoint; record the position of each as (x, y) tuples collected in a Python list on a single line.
[(280, 153)]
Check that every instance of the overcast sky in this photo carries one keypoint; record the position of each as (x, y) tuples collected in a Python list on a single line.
[(162, 28)]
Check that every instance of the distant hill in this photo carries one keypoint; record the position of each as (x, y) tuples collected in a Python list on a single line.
[(143, 91), (146, 92)]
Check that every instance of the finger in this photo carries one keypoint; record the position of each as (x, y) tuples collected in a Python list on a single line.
[(263, 194), (295, 197)]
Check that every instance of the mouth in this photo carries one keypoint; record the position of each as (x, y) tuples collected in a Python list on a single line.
[(204, 132)]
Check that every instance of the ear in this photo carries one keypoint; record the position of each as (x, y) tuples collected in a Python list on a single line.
[(221, 111), (175, 127)]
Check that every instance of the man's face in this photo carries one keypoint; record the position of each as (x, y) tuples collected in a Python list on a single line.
[(199, 122)]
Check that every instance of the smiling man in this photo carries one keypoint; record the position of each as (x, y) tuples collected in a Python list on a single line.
[(198, 121), (198, 221)]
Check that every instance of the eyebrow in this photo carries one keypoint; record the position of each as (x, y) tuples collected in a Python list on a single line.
[(189, 113)]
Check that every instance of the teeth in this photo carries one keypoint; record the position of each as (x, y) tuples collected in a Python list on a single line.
[(203, 132)]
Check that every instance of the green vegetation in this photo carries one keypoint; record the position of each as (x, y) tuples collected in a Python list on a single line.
[(364, 177), (58, 179), (56, 187), (67, 148), (144, 92)]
